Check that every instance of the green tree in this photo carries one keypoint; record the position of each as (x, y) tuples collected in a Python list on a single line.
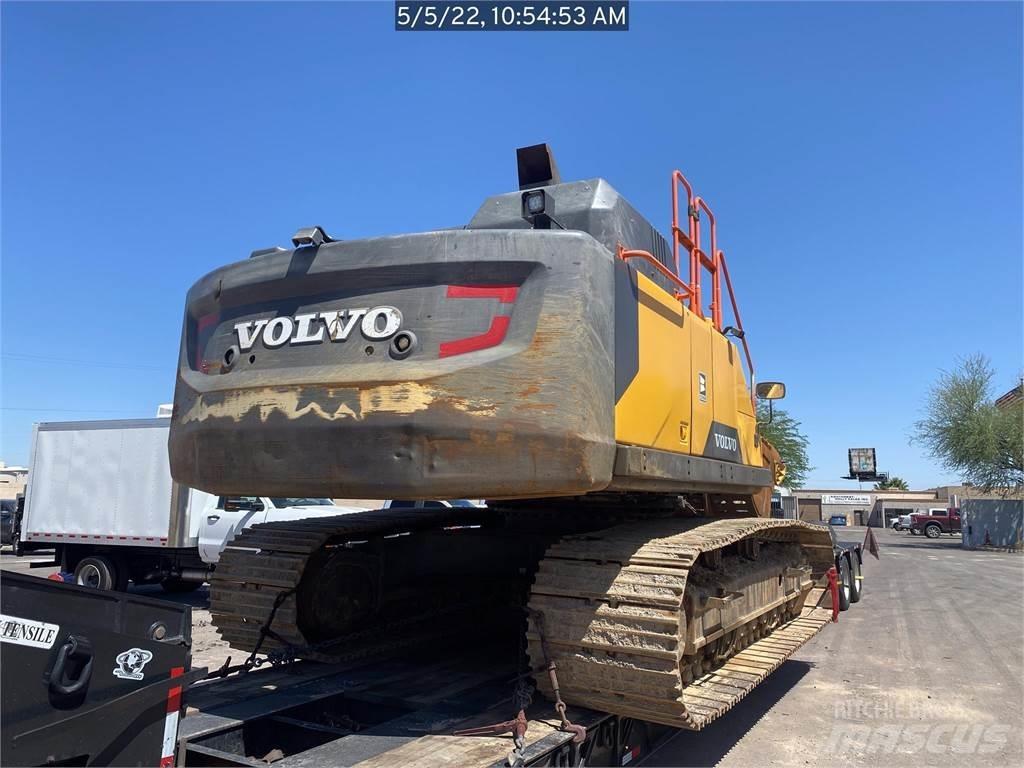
[(784, 433), (964, 430), (892, 484)]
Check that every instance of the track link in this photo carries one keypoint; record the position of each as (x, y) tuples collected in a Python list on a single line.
[(651, 620), (264, 566)]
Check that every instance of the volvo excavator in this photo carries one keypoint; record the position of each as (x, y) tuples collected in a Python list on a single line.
[(558, 357)]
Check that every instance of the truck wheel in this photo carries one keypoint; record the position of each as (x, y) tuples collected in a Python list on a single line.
[(177, 586), (913, 532), (844, 583), (932, 531), (97, 572), (855, 578)]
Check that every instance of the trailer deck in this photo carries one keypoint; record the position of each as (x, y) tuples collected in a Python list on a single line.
[(404, 711), (393, 712)]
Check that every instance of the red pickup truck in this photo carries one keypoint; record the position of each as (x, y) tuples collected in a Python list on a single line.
[(934, 525)]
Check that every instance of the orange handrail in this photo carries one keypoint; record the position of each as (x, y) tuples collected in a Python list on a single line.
[(684, 291), (710, 264), (677, 233), (736, 314), (690, 239)]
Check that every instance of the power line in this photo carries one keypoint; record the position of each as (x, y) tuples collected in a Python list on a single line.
[(71, 361), (71, 410)]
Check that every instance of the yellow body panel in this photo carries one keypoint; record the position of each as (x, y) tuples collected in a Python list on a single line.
[(689, 376), (655, 410)]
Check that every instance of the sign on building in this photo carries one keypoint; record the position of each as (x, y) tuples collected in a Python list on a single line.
[(845, 498)]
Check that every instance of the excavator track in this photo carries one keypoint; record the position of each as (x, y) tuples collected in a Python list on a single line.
[(675, 620), (259, 575), (671, 620)]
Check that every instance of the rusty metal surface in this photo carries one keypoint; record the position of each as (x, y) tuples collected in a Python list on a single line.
[(532, 416)]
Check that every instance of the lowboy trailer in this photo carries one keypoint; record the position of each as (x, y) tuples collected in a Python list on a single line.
[(69, 696)]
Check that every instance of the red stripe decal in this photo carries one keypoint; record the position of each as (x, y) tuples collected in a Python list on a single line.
[(506, 294), (491, 338), (205, 322), (174, 694)]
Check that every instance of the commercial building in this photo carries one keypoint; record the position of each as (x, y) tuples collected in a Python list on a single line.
[(12, 481), (877, 508), (1012, 397)]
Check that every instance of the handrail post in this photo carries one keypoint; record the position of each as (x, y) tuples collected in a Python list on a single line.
[(677, 237)]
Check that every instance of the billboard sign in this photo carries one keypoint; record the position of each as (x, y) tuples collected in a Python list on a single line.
[(862, 461)]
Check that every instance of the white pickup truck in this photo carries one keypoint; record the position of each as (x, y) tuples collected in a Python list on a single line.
[(100, 494)]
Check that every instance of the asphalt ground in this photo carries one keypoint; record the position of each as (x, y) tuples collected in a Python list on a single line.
[(926, 670)]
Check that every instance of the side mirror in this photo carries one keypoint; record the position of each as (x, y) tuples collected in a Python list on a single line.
[(771, 390)]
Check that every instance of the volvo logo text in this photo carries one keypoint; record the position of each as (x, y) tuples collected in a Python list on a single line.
[(725, 443), (375, 323)]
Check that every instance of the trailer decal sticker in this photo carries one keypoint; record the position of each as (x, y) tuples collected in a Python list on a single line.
[(130, 663), (35, 634), (171, 721)]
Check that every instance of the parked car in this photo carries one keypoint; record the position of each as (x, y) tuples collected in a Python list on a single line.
[(8, 507), (837, 520), (901, 523), (934, 525), (906, 519)]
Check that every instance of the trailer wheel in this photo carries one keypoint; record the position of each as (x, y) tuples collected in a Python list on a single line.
[(177, 586), (855, 577), (97, 572), (844, 583)]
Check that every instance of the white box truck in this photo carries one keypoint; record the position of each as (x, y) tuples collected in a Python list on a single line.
[(100, 493)]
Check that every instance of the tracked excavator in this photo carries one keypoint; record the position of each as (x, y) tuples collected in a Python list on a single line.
[(556, 356)]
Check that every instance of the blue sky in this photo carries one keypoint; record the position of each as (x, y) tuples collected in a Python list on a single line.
[(864, 161)]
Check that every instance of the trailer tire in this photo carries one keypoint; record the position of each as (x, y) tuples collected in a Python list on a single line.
[(855, 577), (178, 586), (97, 572), (844, 583)]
